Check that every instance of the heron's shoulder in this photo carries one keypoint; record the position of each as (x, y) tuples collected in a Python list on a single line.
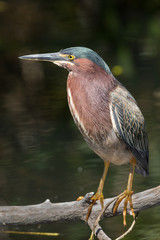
[(120, 92)]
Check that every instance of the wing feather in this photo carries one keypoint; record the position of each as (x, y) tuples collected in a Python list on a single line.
[(129, 125)]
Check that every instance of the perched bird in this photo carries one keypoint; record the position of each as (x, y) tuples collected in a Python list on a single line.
[(106, 114)]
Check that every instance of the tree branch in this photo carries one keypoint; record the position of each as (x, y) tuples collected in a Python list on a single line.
[(75, 210)]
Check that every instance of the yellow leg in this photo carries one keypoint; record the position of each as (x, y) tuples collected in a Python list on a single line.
[(127, 194), (99, 193)]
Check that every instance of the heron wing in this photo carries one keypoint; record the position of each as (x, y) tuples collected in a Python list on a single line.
[(129, 125)]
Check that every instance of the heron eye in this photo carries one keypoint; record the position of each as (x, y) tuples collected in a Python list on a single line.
[(71, 57)]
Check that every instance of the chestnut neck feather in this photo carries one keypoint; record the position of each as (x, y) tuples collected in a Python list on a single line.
[(88, 89)]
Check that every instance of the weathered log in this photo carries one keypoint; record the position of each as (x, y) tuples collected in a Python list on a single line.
[(75, 210)]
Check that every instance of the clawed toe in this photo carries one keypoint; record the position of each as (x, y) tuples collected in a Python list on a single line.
[(94, 199), (127, 196)]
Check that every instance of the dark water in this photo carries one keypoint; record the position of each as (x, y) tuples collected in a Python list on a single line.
[(42, 154)]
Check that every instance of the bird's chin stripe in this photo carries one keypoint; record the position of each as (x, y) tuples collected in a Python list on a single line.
[(64, 64)]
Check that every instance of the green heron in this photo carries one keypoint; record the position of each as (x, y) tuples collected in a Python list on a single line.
[(106, 114)]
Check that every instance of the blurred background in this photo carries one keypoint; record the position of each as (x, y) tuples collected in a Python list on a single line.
[(42, 154)]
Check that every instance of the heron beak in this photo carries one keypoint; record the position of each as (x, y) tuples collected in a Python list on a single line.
[(49, 57), (57, 58)]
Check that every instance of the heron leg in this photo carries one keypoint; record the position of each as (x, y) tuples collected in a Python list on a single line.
[(99, 194), (127, 194)]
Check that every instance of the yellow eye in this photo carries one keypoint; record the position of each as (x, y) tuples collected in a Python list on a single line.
[(71, 57)]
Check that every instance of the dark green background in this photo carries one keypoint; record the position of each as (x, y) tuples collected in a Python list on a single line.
[(42, 154)]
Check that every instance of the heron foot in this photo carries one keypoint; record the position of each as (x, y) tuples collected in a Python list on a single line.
[(94, 199), (127, 196)]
